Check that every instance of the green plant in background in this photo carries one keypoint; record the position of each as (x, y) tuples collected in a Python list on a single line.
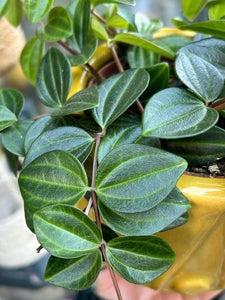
[(142, 128)]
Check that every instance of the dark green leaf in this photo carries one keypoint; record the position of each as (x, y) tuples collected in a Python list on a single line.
[(201, 149), (83, 100), (175, 42), (15, 12), (30, 58), (200, 76), (154, 45), (120, 135), (12, 161), (159, 75), (58, 26), (134, 178), (178, 222), (126, 2), (52, 178), (118, 89), (75, 274), (13, 137), (139, 259), (86, 52), (145, 24), (176, 113), (217, 11), (67, 138), (13, 100), (108, 233), (66, 231), (211, 50), (36, 10), (53, 78), (147, 222), (191, 8), (213, 27), (141, 58), (7, 118), (88, 123), (43, 124), (98, 29), (3, 7)]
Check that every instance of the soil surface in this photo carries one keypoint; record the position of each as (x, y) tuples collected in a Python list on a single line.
[(213, 170)]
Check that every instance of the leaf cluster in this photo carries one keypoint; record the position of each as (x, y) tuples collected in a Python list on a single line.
[(141, 129)]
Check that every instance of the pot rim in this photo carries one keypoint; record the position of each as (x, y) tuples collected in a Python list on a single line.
[(202, 175)]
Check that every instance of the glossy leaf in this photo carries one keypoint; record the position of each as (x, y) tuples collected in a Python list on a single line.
[(118, 89), (139, 259), (217, 11), (43, 124), (58, 26), (154, 45), (53, 78), (3, 7), (191, 8), (200, 76), (141, 58), (178, 222), (60, 272), (212, 27), (211, 50), (199, 150), (36, 10), (56, 177), (126, 2), (83, 100), (177, 113), (15, 12), (67, 138), (7, 118), (13, 138), (145, 24), (127, 179), (30, 58), (98, 29), (66, 231), (150, 221), (13, 100), (159, 80), (123, 134)]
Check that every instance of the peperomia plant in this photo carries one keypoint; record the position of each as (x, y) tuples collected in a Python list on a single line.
[(140, 130)]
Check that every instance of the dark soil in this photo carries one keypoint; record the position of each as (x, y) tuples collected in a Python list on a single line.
[(213, 170)]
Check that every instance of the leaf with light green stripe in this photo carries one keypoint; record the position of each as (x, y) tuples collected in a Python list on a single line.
[(58, 26), (134, 178), (118, 89), (200, 76), (177, 113), (7, 118), (136, 39), (60, 272), (85, 99), (66, 231), (30, 58), (36, 10), (13, 100), (139, 259), (13, 138), (141, 58), (56, 177), (201, 149), (147, 222), (53, 78), (126, 2), (191, 8), (67, 138)]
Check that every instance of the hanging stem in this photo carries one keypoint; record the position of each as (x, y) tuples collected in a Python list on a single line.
[(40, 116), (121, 69), (219, 105), (97, 215)]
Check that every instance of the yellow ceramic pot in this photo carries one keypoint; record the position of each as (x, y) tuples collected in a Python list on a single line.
[(200, 243)]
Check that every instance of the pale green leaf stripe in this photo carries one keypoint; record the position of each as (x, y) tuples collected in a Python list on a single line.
[(154, 45), (7, 118), (37, 9), (66, 231), (13, 100), (127, 179), (61, 272)]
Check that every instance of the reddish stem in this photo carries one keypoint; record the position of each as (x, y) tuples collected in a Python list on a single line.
[(219, 105)]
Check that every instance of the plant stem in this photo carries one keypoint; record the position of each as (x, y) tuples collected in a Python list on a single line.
[(111, 31), (90, 68), (219, 105), (40, 116), (121, 69)]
